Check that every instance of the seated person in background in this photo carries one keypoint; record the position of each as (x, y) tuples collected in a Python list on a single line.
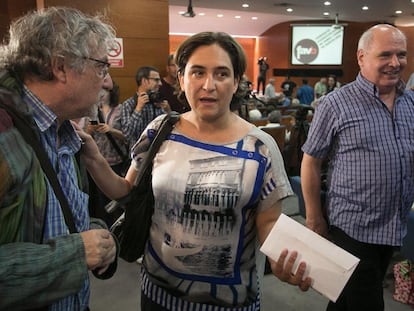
[(274, 121), (332, 84), (295, 103), (253, 113), (283, 100), (305, 93)]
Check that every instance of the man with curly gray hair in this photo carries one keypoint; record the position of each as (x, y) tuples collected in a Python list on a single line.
[(52, 70)]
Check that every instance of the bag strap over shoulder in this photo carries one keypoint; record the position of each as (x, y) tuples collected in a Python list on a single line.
[(29, 135), (165, 128)]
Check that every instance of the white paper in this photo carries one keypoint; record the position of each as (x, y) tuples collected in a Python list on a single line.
[(329, 266)]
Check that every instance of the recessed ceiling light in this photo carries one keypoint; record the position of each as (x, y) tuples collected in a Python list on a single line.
[(245, 5), (398, 12), (365, 8), (254, 18), (237, 16), (326, 3), (201, 14), (220, 15), (181, 12), (326, 13), (290, 10)]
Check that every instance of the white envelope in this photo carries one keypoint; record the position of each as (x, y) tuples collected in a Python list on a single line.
[(328, 265)]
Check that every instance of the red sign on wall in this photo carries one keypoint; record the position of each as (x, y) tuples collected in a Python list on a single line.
[(116, 54)]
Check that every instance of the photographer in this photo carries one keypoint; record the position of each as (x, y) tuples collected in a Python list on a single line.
[(139, 110), (261, 78)]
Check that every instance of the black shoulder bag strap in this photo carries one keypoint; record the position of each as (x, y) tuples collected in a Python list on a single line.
[(28, 133), (110, 137), (163, 131)]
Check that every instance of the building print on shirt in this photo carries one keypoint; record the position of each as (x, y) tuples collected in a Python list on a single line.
[(202, 235)]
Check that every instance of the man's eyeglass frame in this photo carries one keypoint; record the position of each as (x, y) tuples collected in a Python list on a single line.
[(105, 68)]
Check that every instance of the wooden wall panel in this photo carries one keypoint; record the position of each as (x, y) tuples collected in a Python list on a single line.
[(10, 10), (249, 46), (4, 20), (140, 18), (142, 24)]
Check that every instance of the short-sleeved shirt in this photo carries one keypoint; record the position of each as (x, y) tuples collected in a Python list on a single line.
[(203, 245), (371, 153)]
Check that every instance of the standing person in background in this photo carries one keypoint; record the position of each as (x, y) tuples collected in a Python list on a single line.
[(288, 87), (218, 183), (261, 78), (140, 109), (320, 88), (305, 93), (52, 70), (168, 88), (107, 133), (365, 128), (332, 84)]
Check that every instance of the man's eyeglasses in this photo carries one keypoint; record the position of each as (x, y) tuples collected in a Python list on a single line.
[(103, 66)]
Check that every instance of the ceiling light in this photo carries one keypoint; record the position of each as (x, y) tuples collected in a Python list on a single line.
[(365, 8), (398, 12), (190, 12), (201, 14), (237, 16), (326, 3), (254, 18), (245, 5), (290, 10), (326, 13), (220, 15)]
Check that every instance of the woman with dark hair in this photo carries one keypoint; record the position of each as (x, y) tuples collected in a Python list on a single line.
[(332, 84), (105, 128), (218, 184), (108, 123)]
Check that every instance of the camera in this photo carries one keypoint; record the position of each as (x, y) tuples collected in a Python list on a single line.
[(154, 96)]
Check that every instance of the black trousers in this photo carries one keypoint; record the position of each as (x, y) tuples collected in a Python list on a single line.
[(261, 81), (364, 291), (148, 305)]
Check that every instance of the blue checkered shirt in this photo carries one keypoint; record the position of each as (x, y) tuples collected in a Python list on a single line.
[(133, 123), (371, 152), (62, 159)]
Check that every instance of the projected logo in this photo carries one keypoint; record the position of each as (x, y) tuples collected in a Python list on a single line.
[(306, 51)]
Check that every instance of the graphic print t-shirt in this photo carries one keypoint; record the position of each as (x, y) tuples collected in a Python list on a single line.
[(203, 236)]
